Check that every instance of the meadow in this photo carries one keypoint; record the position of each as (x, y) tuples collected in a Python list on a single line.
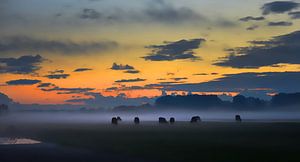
[(150, 141)]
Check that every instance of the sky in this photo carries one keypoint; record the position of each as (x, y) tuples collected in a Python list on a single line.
[(100, 51)]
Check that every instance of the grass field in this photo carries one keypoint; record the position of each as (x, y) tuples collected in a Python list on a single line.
[(207, 141)]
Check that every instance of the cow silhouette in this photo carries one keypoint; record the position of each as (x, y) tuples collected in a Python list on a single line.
[(136, 120), (195, 119), (238, 118), (119, 119), (162, 120), (114, 121), (172, 120)]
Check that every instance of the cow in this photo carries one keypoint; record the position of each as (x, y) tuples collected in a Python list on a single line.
[(172, 120), (136, 120), (195, 119), (119, 119), (162, 120), (238, 118), (114, 121)]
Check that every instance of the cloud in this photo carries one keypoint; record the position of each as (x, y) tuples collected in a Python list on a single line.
[(179, 79), (251, 18), (253, 27), (280, 23), (22, 65), (161, 11), (98, 100), (271, 81), (157, 11), (295, 15), (130, 80), (82, 69), (43, 85), (179, 50), (132, 71), (278, 7), (58, 76), (57, 72), (201, 74), (24, 43), (23, 82), (60, 90), (279, 49), (88, 13), (116, 66)]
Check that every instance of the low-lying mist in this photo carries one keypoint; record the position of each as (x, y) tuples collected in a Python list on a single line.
[(127, 117)]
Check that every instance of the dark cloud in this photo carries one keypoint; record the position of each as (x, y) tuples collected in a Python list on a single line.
[(279, 7), (295, 15), (60, 90), (162, 11), (158, 11), (28, 44), (57, 72), (129, 88), (251, 18), (132, 71), (130, 80), (279, 49), (23, 82), (179, 50), (280, 23), (116, 66), (58, 76), (169, 83), (98, 100), (88, 13), (271, 81), (43, 85), (253, 27), (22, 65), (82, 69), (179, 79), (201, 74)]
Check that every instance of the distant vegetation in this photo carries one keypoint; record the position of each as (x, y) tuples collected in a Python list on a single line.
[(238, 102), (3, 108)]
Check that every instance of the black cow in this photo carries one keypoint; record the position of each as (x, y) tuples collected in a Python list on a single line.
[(172, 120), (119, 119), (114, 121), (195, 119), (162, 120), (238, 118), (136, 120)]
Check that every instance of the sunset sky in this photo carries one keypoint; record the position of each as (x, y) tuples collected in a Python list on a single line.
[(66, 51)]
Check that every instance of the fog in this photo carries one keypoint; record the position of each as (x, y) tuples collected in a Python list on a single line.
[(127, 117)]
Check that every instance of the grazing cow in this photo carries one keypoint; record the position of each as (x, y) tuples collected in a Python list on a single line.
[(119, 119), (162, 120), (195, 119), (238, 118), (114, 121), (172, 120), (136, 120)]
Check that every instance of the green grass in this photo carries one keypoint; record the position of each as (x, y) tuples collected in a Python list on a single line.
[(243, 142)]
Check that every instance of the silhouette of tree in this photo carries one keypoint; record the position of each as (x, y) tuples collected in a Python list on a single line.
[(190, 101), (284, 99), (3, 108)]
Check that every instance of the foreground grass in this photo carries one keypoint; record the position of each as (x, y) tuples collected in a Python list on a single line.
[(257, 142)]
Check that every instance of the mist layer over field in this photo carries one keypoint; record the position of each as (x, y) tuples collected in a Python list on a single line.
[(127, 117)]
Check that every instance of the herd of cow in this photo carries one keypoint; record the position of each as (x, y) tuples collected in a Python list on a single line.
[(162, 120)]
